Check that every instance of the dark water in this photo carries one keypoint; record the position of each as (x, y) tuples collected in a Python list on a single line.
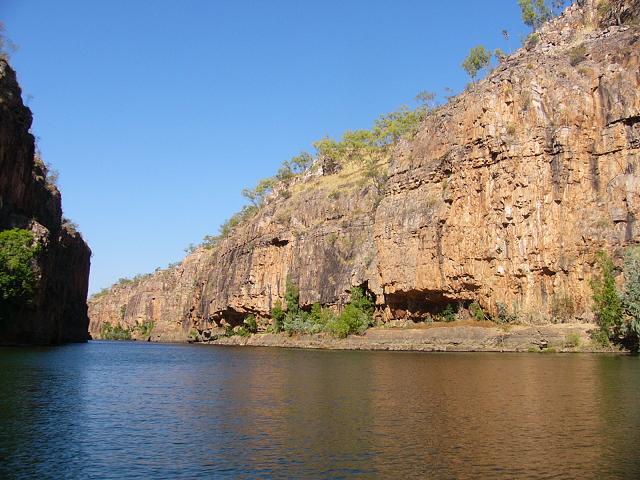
[(133, 410)]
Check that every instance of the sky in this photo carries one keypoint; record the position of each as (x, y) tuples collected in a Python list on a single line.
[(157, 113)]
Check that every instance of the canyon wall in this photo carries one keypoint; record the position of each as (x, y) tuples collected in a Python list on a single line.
[(58, 310), (503, 197)]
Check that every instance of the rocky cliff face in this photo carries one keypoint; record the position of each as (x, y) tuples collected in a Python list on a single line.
[(503, 197), (58, 312)]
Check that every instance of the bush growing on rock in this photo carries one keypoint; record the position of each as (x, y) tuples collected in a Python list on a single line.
[(534, 13), (607, 305), (251, 324), (356, 317), (366, 148), (17, 278), (114, 332), (303, 322), (476, 311), (448, 314), (301, 163), (631, 296), (291, 297), (277, 315), (572, 340), (145, 328), (7, 46), (296, 320), (477, 59), (600, 338), (618, 313)]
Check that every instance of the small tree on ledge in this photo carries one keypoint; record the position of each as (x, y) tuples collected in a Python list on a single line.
[(477, 59)]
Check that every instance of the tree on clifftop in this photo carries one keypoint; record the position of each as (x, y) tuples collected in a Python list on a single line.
[(477, 59), (6, 45), (536, 12)]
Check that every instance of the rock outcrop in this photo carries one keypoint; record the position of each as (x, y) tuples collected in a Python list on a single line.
[(503, 198), (58, 311)]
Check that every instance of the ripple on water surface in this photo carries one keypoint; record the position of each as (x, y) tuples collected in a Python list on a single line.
[(132, 410)]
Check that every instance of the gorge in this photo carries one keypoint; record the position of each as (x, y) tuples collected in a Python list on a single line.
[(502, 198)]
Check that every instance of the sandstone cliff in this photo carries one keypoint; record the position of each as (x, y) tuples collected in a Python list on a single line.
[(503, 197), (58, 312)]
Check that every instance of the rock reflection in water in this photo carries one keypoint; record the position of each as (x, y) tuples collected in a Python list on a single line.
[(127, 410)]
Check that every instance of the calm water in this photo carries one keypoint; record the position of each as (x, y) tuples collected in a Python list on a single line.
[(135, 410)]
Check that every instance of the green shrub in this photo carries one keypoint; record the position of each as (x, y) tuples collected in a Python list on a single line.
[(534, 12), (241, 332), (607, 305), (114, 332), (600, 338), (292, 297), (477, 59), (375, 145), (277, 314), (339, 326), (297, 320), (572, 340), (17, 278), (631, 295), (532, 40), (476, 311), (247, 212), (251, 324), (448, 314), (356, 317), (260, 192), (145, 328), (302, 322)]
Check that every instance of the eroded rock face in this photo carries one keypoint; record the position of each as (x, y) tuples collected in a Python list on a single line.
[(507, 193), (59, 311), (321, 238), (503, 197)]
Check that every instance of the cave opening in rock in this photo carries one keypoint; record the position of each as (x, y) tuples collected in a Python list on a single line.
[(419, 305), (231, 316), (279, 242)]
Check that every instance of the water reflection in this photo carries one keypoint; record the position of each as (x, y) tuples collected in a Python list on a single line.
[(125, 410)]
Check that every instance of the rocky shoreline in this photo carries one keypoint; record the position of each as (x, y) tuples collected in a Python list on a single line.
[(438, 338)]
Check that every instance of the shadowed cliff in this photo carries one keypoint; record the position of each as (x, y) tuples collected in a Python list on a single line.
[(57, 310)]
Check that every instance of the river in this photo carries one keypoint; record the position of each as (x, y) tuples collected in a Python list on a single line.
[(138, 410)]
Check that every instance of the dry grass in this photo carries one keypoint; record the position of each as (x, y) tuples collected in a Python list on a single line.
[(456, 323), (351, 176)]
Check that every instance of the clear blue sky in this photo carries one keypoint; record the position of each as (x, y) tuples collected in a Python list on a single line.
[(157, 113)]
